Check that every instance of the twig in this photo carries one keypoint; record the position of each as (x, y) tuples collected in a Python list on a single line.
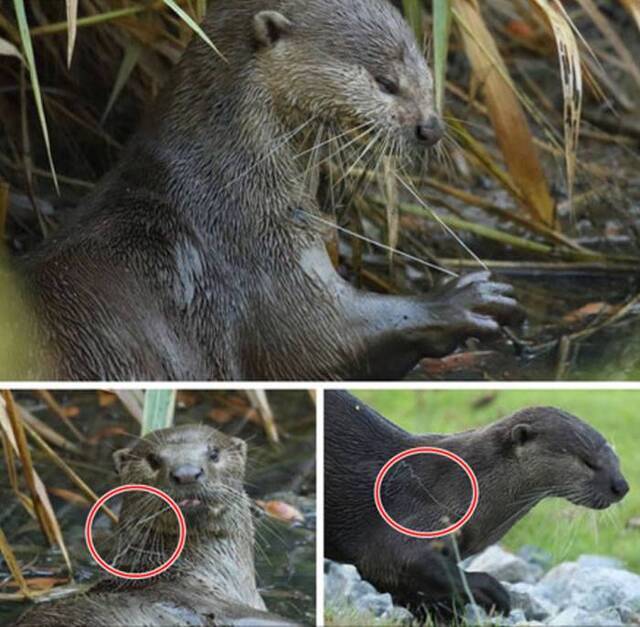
[(58, 410), (69, 472)]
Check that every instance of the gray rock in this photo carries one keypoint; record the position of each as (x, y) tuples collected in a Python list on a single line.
[(374, 603), (599, 561), (578, 616), (360, 589), (516, 617), (629, 615), (339, 580), (524, 597), (536, 555), (504, 566), (344, 588), (594, 589), (399, 615)]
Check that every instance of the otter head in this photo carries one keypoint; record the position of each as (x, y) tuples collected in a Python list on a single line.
[(199, 467), (350, 66), (560, 455)]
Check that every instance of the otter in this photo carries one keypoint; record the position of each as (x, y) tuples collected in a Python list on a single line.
[(200, 255), (535, 453), (213, 581)]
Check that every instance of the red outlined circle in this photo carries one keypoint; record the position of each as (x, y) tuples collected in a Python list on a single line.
[(419, 450), (135, 487)]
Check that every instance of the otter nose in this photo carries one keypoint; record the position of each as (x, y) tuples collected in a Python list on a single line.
[(619, 487), (186, 474), (431, 131)]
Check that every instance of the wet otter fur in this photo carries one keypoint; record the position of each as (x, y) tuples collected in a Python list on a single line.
[(535, 453), (213, 581), (196, 258)]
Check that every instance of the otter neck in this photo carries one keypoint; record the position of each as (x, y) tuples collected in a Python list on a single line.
[(498, 474), (228, 160), (224, 546)]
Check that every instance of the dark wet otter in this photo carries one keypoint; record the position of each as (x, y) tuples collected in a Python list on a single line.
[(519, 460), (213, 581), (196, 258)]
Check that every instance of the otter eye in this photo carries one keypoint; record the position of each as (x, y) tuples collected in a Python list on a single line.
[(214, 454), (589, 464), (388, 85), (154, 461)]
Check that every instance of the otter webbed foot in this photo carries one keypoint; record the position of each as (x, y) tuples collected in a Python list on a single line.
[(434, 585), (469, 306), (489, 593)]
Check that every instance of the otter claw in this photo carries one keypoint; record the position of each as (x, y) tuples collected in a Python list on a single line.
[(489, 593)]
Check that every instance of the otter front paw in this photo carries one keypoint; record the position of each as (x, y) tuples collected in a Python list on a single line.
[(489, 593), (469, 306)]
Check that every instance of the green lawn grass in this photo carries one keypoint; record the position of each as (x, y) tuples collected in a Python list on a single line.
[(555, 525)]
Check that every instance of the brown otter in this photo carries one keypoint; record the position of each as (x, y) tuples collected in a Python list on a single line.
[(519, 460), (197, 258), (213, 581)]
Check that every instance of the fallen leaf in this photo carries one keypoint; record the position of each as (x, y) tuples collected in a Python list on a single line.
[(587, 311), (40, 583), (459, 361), (221, 416), (519, 28), (107, 432), (71, 411), (106, 399), (281, 511), (187, 398)]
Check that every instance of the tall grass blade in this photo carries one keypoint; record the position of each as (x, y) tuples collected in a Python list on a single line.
[(159, 409), (389, 186), (571, 76), (14, 430), (7, 49), (27, 50), (507, 116), (183, 15), (12, 564), (633, 6), (72, 19), (201, 8), (413, 14), (129, 61), (71, 474), (441, 31), (603, 25), (259, 401), (90, 20)]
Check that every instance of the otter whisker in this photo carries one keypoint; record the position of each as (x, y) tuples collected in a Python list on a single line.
[(280, 142), (409, 187), (364, 152), (373, 242), (343, 147), (333, 139)]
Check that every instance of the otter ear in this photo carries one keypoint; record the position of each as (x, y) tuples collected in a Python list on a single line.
[(121, 457), (522, 433), (240, 446), (269, 27)]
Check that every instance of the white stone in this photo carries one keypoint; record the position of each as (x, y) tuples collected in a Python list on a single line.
[(504, 566)]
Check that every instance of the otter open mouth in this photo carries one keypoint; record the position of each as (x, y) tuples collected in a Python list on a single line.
[(190, 504)]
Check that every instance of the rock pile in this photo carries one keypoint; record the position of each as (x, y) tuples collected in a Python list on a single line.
[(593, 590)]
